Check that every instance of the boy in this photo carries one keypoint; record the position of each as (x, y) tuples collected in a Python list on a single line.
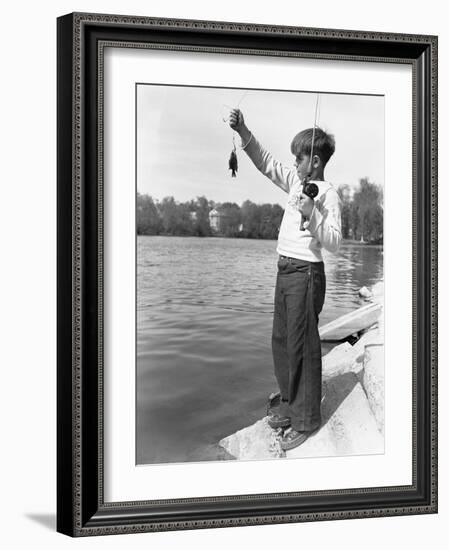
[(308, 225)]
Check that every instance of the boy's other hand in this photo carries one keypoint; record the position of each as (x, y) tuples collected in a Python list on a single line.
[(306, 205), (236, 120)]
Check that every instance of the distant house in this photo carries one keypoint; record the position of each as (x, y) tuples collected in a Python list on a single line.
[(214, 219), (222, 221)]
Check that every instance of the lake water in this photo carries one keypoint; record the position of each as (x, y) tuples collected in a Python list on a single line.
[(204, 315)]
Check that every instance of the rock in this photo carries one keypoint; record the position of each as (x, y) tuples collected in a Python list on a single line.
[(255, 442), (374, 335), (342, 358), (349, 427), (355, 427), (378, 292), (365, 292), (373, 381), (346, 358), (378, 298), (351, 430)]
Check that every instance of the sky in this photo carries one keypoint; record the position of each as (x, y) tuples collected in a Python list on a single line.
[(183, 143)]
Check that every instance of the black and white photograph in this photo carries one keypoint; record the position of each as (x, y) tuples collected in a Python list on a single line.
[(259, 274)]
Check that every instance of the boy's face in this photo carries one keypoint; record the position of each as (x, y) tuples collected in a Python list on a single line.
[(302, 165)]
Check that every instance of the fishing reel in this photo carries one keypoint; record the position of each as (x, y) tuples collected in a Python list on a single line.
[(311, 190)]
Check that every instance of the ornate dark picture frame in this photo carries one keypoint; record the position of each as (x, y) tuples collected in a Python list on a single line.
[(81, 510)]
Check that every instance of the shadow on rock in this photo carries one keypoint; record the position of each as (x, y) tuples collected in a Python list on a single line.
[(335, 391)]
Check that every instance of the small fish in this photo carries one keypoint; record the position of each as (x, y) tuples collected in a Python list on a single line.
[(233, 165)]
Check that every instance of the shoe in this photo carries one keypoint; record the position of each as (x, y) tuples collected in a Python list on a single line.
[(278, 421), (293, 439)]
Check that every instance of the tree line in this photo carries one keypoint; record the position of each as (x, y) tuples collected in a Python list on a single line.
[(362, 213), (192, 218), (362, 216)]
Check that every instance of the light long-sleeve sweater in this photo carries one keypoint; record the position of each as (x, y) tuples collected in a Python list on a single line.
[(323, 229)]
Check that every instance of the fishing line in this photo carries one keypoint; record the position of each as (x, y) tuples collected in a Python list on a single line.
[(233, 161), (313, 132), (242, 98), (236, 107)]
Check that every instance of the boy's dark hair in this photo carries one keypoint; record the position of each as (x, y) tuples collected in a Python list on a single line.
[(323, 145)]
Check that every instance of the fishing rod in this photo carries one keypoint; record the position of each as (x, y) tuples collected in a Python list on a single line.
[(309, 188)]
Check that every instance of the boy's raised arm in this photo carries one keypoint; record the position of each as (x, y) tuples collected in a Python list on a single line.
[(282, 176)]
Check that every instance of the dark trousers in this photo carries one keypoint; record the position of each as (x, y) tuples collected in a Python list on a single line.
[(296, 345)]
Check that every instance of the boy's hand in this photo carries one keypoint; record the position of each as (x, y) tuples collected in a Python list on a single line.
[(306, 205), (237, 123), (236, 120)]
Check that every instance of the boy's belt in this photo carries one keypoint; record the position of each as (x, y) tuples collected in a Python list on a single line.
[(318, 266), (281, 257)]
